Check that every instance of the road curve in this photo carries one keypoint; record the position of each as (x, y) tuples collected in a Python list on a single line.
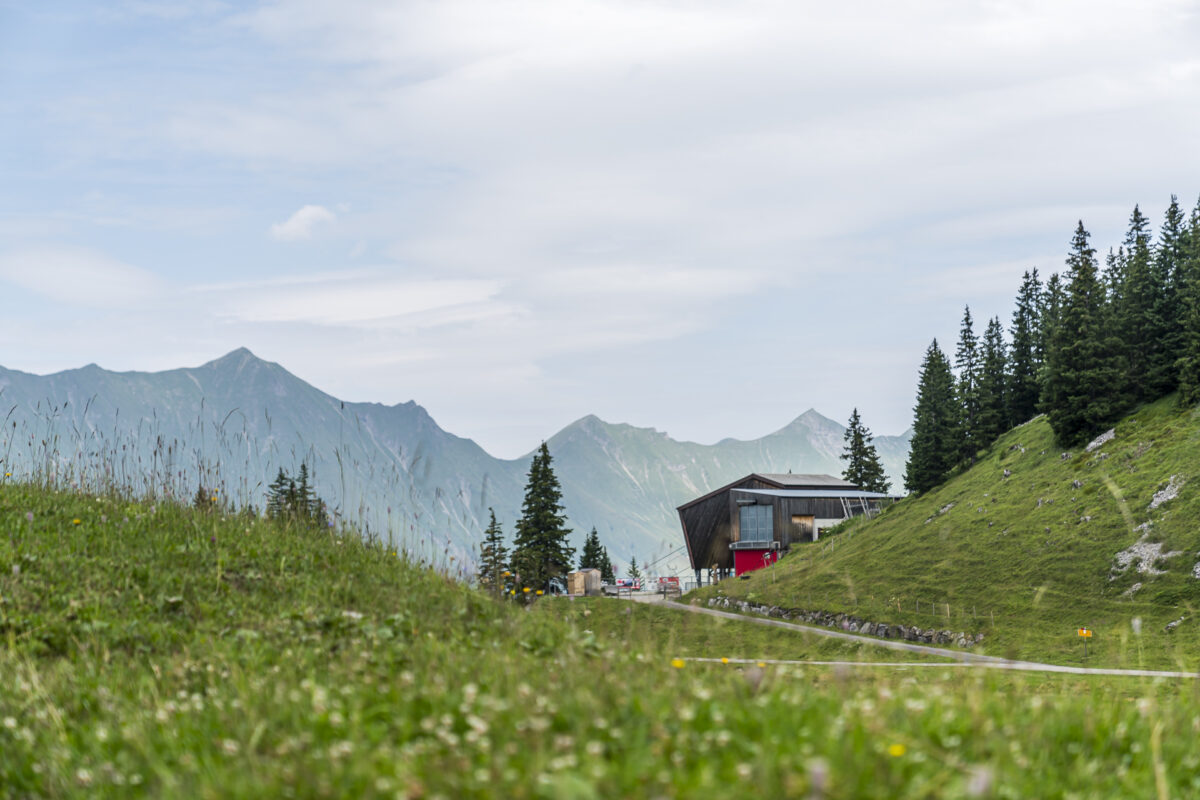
[(963, 658)]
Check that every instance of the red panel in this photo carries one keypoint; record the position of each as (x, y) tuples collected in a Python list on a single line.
[(750, 560)]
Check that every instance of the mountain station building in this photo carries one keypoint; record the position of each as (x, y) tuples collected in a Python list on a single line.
[(749, 523)]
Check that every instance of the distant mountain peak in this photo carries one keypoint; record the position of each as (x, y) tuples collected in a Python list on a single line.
[(809, 420), (236, 358)]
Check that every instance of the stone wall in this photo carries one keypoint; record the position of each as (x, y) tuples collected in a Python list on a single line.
[(851, 624)]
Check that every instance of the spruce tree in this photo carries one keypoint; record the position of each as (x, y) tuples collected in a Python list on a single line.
[(1023, 366), (1167, 312), (937, 420), (1188, 363), (1049, 317), (635, 574), (592, 556), (966, 359), (493, 557), (993, 388), (1083, 362), (1134, 314), (607, 573), (540, 550), (863, 468)]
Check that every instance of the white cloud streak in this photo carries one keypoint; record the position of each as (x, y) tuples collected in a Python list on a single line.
[(78, 276), (300, 225)]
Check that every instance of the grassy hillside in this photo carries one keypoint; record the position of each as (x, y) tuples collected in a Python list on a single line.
[(160, 651), (1024, 546)]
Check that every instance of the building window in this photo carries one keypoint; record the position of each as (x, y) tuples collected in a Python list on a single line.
[(756, 524)]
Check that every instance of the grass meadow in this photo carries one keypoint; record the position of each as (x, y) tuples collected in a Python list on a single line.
[(156, 650)]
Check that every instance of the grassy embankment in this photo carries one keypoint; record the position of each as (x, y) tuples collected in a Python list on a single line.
[(167, 652), (1030, 558)]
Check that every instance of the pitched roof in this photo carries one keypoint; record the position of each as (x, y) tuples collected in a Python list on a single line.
[(789, 479), (781, 481)]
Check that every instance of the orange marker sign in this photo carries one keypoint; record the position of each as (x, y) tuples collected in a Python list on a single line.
[(1085, 633)]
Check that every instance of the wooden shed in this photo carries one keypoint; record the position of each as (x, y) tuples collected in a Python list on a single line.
[(748, 523), (585, 582)]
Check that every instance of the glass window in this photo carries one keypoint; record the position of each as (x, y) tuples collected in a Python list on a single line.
[(756, 523)]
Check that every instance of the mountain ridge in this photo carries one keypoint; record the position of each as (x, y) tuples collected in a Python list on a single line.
[(392, 470)]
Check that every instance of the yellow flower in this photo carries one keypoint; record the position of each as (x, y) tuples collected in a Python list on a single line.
[(897, 750), (76, 521), (677, 663), (526, 590), (724, 660), (540, 592), (762, 664)]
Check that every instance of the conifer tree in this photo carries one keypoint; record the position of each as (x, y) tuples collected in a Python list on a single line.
[(1134, 315), (863, 468), (592, 556), (1049, 317), (966, 359), (540, 550), (1023, 366), (635, 574), (607, 573), (1188, 363), (1083, 363), (1167, 312), (993, 388), (493, 557), (936, 441)]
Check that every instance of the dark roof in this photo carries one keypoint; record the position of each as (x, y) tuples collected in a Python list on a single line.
[(835, 493), (781, 481), (789, 479)]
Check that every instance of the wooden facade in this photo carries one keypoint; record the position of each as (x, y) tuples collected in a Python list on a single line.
[(799, 506)]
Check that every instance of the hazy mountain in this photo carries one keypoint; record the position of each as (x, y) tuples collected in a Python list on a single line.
[(233, 422)]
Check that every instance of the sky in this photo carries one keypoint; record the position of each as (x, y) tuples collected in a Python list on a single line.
[(703, 217)]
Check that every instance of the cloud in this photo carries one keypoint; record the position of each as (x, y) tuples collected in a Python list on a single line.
[(358, 300), (300, 225), (78, 276)]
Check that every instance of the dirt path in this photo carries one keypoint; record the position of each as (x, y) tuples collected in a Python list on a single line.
[(964, 658)]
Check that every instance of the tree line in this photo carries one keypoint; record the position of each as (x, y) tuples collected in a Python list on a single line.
[(1084, 347), (540, 554)]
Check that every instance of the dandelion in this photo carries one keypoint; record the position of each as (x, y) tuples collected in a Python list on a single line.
[(540, 592), (724, 660), (762, 664), (526, 590), (77, 521), (677, 663), (897, 750)]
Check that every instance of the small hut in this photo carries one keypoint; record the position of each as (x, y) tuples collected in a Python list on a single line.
[(585, 582)]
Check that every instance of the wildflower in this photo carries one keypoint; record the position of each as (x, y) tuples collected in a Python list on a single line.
[(76, 521), (724, 660), (230, 747), (29, 516), (540, 592), (526, 590), (897, 750), (677, 663), (10, 723)]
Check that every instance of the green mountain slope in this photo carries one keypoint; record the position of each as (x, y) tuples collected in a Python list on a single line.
[(1027, 546), (390, 470), (149, 650)]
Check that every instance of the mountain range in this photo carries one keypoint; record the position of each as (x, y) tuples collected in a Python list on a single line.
[(232, 423)]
